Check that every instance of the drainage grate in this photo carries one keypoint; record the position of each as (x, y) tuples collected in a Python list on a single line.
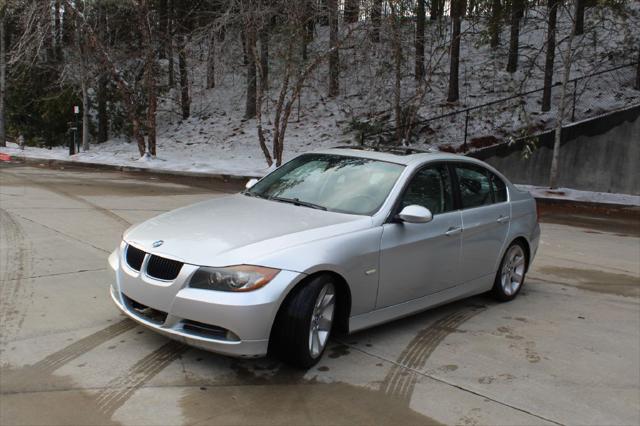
[(162, 268), (134, 257)]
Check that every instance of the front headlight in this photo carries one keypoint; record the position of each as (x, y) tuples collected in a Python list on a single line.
[(232, 278)]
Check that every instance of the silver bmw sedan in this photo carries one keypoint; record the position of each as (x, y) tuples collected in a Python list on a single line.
[(335, 240)]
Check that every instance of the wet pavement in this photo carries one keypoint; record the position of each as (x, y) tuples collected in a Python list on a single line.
[(566, 351)]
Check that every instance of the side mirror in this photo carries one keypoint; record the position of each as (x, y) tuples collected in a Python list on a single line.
[(415, 214), (251, 183)]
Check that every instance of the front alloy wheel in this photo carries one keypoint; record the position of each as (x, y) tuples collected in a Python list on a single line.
[(303, 324), (321, 320)]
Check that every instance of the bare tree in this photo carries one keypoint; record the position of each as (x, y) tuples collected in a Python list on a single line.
[(419, 45), (334, 57), (84, 82), (376, 15), (495, 22), (396, 46), (351, 11), (550, 57), (567, 59), (3, 72), (637, 85), (250, 44), (146, 27), (211, 60), (457, 8), (101, 93), (264, 54), (580, 17), (107, 63), (183, 70), (514, 41)]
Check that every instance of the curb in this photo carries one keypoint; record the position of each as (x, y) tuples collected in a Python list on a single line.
[(55, 163)]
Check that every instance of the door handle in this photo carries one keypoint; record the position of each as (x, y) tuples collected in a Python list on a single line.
[(502, 219), (454, 230)]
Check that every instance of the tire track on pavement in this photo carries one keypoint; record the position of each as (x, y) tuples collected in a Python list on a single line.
[(52, 188), (400, 381), (80, 347), (121, 388), (14, 265)]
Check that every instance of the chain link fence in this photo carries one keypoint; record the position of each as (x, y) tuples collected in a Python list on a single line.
[(521, 115)]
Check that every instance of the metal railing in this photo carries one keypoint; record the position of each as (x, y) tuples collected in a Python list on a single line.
[(521, 114)]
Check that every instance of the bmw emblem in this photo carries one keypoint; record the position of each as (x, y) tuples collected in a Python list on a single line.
[(157, 243)]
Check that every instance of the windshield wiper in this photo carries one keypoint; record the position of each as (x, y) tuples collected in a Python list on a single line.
[(255, 194), (297, 202)]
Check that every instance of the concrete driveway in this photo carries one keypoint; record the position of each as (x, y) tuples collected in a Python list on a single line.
[(566, 351)]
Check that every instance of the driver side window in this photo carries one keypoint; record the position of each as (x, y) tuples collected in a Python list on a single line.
[(430, 188)]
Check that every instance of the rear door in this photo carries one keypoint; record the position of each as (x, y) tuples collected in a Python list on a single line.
[(485, 219)]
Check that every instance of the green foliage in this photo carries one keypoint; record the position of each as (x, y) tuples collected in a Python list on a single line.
[(37, 107)]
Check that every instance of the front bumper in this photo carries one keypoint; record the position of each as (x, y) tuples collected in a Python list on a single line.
[(247, 317)]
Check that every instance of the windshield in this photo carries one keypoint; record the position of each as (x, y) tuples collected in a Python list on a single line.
[(331, 182)]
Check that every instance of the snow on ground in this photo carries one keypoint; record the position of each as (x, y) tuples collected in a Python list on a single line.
[(569, 194)]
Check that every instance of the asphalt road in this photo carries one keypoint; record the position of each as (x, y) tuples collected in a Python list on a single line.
[(566, 351)]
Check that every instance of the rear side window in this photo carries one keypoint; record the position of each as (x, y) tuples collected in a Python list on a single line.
[(499, 188), (475, 186), (430, 188)]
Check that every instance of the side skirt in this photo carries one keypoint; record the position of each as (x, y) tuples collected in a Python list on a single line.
[(390, 313)]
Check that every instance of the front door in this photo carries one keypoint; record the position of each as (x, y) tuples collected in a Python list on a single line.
[(417, 259)]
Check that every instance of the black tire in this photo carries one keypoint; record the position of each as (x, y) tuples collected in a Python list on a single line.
[(290, 335), (498, 291)]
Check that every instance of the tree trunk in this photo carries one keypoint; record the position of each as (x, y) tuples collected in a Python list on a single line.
[(243, 40), (334, 56), (454, 52), (151, 108), (57, 37), (396, 48), (420, 23), (580, 17), (250, 51), (80, 47), (163, 26), (471, 7), (185, 101), (495, 23), (551, 49), (3, 74), (103, 118), (351, 11), (150, 75), (211, 61), (264, 57), (323, 12), (101, 93), (376, 15), (516, 15), (638, 73), (567, 59), (169, 42)]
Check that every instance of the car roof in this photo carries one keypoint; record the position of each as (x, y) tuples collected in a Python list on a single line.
[(397, 157)]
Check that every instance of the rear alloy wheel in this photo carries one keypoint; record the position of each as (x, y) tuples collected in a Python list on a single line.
[(304, 323), (510, 276)]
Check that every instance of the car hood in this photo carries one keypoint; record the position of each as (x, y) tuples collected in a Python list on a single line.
[(237, 229)]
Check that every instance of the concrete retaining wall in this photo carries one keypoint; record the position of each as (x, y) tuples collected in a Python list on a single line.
[(602, 154)]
